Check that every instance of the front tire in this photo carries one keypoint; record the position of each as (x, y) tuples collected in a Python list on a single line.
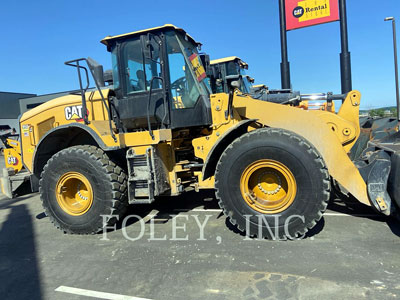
[(272, 183), (82, 190)]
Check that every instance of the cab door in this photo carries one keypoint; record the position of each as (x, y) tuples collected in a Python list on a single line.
[(143, 100), (188, 90)]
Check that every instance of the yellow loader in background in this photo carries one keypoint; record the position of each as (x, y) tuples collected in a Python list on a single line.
[(273, 166), (13, 174), (225, 70)]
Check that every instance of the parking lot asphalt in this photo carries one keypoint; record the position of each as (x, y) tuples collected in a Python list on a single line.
[(351, 254)]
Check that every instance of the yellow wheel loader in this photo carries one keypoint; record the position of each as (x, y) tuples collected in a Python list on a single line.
[(224, 71), (13, 175), (159, 130)]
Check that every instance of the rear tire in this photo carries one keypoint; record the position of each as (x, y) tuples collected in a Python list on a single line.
[(273, 178), (78, 186)]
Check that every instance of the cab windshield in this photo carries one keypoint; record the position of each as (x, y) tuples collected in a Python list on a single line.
[(187, 74)]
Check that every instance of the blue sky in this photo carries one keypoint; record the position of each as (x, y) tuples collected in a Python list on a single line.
[(38, 36)]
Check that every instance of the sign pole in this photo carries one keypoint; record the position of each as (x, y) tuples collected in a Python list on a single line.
[(285, 67), (345, 62)]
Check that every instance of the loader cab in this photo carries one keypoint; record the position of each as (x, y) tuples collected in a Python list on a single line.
[(158, 80), (228, 69)]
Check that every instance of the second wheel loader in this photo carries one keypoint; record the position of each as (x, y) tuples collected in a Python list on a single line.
[(224, 71)]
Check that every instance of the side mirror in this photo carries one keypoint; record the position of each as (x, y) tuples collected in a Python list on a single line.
[(108, 77), (213, 71), (97, 71), (150, 46), (205, 60)]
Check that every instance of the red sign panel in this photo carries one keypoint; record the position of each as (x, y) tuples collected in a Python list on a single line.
[(303, 13)]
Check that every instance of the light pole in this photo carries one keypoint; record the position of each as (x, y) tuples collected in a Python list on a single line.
[(396, 72)]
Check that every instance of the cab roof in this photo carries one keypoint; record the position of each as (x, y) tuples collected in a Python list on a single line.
[(228, 59), (106, 41)]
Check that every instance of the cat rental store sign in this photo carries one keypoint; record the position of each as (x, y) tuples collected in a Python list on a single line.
[(310, 12)]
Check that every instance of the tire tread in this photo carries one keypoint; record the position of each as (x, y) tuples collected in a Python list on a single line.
[(116, 177), (307, 146)]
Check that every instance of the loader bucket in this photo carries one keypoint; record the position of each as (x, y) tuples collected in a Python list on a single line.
[(373, 129), (6, 187), (390, 145), (15, 184)]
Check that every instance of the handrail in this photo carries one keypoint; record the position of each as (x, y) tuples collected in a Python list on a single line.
[(83, 91)]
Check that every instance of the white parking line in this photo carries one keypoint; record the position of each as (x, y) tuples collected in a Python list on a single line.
[(95, 294)]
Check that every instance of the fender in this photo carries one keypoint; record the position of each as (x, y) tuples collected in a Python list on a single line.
[(220, 145), (55, 132)]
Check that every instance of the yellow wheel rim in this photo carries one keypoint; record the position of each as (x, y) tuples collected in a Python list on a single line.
[(268, 186), (74, 193)]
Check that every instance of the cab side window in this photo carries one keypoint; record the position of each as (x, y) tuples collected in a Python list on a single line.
[(138, 74), (115, 73)]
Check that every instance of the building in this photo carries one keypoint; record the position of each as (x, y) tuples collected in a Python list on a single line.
[(10, 108), (12, 105)]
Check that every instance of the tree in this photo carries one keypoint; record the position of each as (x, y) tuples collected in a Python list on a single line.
[(377, 112)]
